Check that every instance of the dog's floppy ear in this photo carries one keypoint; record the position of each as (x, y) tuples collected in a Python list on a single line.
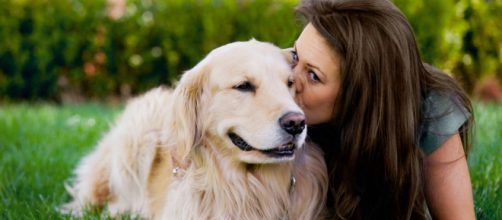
[(287, 52), (186, 108)]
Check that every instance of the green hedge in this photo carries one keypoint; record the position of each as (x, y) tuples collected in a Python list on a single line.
[(52, 48), (463, 37)]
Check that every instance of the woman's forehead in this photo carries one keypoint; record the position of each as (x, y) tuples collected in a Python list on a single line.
[(313, 49)]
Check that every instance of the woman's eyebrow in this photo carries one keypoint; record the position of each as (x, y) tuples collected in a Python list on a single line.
[(314, 67), (323, 75)]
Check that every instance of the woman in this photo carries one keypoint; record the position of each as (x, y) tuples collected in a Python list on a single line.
[(395, 131)]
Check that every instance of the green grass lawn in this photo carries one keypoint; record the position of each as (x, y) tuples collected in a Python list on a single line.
[(40, 145)]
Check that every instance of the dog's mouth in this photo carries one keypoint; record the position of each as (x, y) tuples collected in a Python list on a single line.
[(285, 150)]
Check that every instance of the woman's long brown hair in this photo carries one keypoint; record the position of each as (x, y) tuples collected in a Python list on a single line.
[(372, 144)]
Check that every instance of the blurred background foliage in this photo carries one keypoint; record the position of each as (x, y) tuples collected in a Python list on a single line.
[(74, 50)]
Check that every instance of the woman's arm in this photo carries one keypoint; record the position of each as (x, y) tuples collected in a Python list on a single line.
[(448, 187)]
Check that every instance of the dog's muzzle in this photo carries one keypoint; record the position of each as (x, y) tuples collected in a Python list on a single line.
[(285, 150)]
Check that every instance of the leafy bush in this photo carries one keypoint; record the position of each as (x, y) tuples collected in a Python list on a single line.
[(459, 36), (53, 47), (60, 49)]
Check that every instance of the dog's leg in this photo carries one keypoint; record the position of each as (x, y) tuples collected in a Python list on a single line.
[(130, 168), (135, 144), (91, 187), (116, 173)]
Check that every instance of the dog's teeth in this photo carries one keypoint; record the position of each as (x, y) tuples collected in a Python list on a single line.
[(287, 147)]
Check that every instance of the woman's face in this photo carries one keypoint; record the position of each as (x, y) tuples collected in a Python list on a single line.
[(316, 70)]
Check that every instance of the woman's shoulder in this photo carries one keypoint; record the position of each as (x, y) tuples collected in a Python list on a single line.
[(442, 115)]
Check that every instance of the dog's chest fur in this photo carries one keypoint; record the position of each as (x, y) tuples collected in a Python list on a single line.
[(214, 188)]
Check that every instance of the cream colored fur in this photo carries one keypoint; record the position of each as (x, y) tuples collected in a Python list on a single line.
[(131, 169)]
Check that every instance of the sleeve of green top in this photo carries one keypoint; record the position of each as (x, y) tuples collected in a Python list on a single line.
[(443, 116)]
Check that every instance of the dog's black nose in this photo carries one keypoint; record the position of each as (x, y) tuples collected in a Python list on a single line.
[(292, 122)]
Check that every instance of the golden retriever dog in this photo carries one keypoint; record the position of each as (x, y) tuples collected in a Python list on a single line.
[(226, 143)]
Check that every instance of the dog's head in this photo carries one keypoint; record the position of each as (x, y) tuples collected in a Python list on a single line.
[(240, 99)]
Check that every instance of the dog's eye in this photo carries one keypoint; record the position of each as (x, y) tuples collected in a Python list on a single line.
[(245, 86), (291, 82)]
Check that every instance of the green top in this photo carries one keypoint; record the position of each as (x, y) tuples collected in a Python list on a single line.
[(443, 116)]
